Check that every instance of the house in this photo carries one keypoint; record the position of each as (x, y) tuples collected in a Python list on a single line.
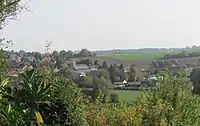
[(93, 68), (13, 73), (27, 68), (82, 74), (71, 63), (126, 69), (81, 67), (118, 85)]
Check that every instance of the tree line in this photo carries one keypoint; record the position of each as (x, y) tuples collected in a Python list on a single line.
[(182, 54)]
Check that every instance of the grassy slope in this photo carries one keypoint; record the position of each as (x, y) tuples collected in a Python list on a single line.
[(125, 95)]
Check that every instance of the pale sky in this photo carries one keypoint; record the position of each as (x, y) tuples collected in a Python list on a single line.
[(106, 24)]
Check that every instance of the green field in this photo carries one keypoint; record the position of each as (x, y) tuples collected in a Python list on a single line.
[(150, 56), (127, 95), (144, 56)]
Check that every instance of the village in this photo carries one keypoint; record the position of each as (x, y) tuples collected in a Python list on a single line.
[(18, 63)]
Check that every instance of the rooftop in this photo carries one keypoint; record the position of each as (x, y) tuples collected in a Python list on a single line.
[(81, 67)]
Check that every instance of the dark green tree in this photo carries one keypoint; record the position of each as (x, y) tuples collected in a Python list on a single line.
[(70, 54), (9, 9), (105, 65), (195, 78), (132, 73), (96, 62), (63, 54), (112, 72), (84, 53)]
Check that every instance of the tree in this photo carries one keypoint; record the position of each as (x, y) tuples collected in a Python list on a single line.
[(112, 73), (84, 53), (105, 65), (183, 54), (96, 62), (86, 82), (3, 63), (122, 73), (55, 54), (67, 103), (100, 84), (70, 54), (195, 78), (37, 56), (172, 104), (132, 73), (88, 62), (59, 61), (101, 73), (63, 54), (67, 73), (121, 66), (9, 10)]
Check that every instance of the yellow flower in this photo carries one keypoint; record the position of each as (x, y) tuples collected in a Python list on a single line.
[(39, 117)]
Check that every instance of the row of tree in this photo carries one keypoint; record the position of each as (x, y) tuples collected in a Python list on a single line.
[(183, 54)]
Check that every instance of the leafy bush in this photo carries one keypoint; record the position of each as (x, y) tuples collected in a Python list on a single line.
[(172, 104), (122, 114), (114, 97), (71, 100), (58, 100)]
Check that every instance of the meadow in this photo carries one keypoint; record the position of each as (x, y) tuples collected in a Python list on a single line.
[(149, 56), (145, 56), (127, 95)]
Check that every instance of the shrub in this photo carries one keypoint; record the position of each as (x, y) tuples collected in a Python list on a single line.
[(112, 115), (114, 97), (66, 106), (172, 104)]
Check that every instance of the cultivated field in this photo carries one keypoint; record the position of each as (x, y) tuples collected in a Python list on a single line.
[(144, 62), (146, 56), (125, 95), (135, 57), (139, 63)]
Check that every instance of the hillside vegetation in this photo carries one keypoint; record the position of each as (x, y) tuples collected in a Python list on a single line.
[(46, 99)]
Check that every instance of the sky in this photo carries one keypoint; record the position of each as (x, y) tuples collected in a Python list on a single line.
[(106, 24)]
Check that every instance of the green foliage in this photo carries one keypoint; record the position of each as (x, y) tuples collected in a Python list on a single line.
[(123, 114), (172, 104), (84, 53), (88, 62), (9, 10), (67, 73), (61, 102), (3, 63), (114, 97), (194, 77), (105, 65), (57, 99), (72, 100), (35, 87), (132, 73)]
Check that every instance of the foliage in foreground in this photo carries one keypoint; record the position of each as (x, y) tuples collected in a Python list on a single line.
[(40, 97), (172, 104), (43, 98)]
